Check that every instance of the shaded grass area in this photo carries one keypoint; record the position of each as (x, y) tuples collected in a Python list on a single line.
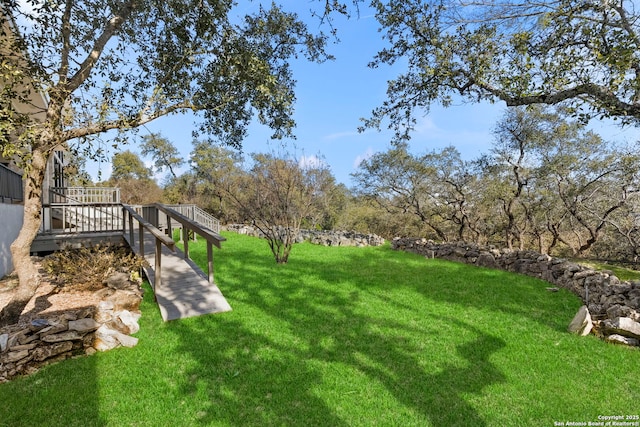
[(344, 336)]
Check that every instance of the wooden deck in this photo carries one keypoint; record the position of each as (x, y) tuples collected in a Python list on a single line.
[(52, 241), (185, 290)]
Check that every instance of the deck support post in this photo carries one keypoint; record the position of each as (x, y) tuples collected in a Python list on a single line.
[(185, 238), (158, 270), (141, 237), (210, 262), (131, 228)]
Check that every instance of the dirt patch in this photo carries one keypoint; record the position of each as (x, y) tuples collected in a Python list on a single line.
[(50, 298)]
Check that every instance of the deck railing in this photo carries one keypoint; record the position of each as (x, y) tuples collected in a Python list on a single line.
[(82, 218), (92, 195), (190, 226), (130, 216), (198, 215), (10, 185)]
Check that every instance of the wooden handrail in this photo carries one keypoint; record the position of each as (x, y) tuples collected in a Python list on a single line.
[(161, 239), (210, 236), (198, 215), (159, 235)]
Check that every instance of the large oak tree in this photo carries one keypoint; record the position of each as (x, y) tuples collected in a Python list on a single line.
[(582, 53), (115, 65)]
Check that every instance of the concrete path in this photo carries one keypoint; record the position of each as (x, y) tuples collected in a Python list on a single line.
[(185, 290)]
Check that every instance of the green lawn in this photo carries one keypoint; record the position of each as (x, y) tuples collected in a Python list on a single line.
[(621, 272), (344, 337)]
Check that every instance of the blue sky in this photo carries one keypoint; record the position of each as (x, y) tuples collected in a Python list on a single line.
[(331, 99)]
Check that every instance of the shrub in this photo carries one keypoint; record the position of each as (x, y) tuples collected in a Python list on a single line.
[(90, 266)]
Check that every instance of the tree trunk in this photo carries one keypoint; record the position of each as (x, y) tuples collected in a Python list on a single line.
[(28, 275)]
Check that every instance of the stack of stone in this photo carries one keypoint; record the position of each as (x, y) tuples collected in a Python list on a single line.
[(26, 348), (340, 238), (318, 237)]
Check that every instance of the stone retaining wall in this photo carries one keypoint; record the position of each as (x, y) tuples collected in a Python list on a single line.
[(26, 348), (610, 301), (324, 237)]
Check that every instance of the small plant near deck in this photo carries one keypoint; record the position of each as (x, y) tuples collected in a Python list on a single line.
[(90, 266)]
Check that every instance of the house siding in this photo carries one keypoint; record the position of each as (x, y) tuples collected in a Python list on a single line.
[(10, 224)]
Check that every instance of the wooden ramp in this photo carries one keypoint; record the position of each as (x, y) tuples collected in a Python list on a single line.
[(185, 290)]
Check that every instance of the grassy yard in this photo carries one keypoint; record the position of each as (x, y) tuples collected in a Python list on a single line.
[(344, 337), (622, 273)]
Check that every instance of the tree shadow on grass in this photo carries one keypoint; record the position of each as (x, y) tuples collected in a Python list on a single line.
[(474, 287), (251, 380), (291, 355), (64, 394)]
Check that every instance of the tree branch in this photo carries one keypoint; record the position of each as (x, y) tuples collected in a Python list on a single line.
[(591, 90), (87, 65), (126, 123), (66, 43)]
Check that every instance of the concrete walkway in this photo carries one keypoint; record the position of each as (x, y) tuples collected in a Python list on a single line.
[(185, 290)]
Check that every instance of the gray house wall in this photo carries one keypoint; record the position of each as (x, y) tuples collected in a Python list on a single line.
[(10, 224)]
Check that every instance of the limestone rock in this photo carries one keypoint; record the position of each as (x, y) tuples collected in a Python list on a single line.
[(53, 329), (130, 320), (68, 317), (104, 339), (581, 323), (127, 340), (105, 311), (619, 339), (37, 325), (18, 337), (20, 364), (83, 325), (55, 359), (29, 346), (14, 356), (107, 339), (118, 280), (63, 336), (4, 340), (46, 352), (117, 325), (623, 326), (106, 305), (486, 260), (124, 300), (102, 294)]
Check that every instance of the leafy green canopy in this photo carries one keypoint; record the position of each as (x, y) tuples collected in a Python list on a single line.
[(119, 64), (583, 53), (127, 165)]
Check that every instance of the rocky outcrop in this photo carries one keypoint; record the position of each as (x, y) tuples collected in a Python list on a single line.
[(606, 297), (26, 348), (318, 237)]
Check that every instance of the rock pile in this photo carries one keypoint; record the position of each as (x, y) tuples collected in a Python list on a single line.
[(613, 305), (26, 348), (319, 237)]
